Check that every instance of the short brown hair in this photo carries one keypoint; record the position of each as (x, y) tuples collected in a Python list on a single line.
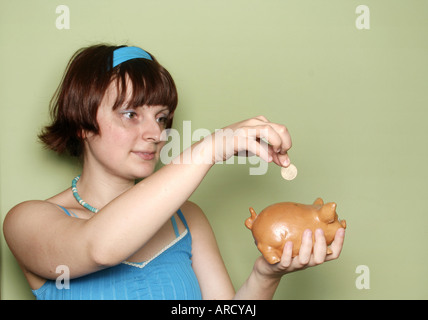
[(87, 77)]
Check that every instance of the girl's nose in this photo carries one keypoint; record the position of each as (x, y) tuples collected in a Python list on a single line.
[(151, 130)]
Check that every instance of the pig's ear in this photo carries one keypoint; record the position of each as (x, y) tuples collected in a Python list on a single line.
[(319, 202), (327, 213), (249, 222)]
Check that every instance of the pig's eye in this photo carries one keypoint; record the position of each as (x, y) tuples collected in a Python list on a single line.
[(333, 219)]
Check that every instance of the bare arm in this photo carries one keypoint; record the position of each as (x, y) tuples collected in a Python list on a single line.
[(167, 189), (42, 239), (207, 262)]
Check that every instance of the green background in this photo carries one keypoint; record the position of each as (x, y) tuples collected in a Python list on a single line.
[(355, 103)]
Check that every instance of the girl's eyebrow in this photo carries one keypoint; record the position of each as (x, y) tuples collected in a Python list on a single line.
[(160, 108), (126, 106)]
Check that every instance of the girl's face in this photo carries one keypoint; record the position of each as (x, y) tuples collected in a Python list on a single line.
[(129, 139)]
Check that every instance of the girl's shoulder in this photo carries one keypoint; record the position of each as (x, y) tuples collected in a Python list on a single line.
[(31, 212), (25, 213), (41, 208), (192, 212), (31, 206), (196, 219)]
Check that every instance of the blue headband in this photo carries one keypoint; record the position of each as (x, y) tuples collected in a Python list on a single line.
[(128, 53)]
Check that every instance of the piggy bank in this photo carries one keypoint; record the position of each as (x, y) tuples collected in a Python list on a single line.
[(286, 221)]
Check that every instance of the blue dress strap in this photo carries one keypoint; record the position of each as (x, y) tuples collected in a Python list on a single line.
[(181, 215), (68, 213), (174, 225)]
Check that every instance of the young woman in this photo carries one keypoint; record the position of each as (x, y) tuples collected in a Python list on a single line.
[(119, 239)]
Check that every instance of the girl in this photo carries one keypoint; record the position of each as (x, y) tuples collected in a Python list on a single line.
[(119, 239)]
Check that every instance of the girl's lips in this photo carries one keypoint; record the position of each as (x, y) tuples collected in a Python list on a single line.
[(145, 155)]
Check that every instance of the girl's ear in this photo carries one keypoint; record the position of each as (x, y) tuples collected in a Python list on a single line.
[(84, 134)]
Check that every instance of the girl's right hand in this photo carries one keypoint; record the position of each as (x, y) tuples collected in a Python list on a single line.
[(270, 141)]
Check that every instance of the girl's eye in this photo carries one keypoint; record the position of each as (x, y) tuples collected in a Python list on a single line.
[(162, 120), (130, 114)]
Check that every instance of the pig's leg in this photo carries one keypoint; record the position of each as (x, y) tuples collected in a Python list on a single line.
[(271, 254)]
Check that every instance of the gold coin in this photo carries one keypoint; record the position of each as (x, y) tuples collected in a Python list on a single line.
[(289, 173)]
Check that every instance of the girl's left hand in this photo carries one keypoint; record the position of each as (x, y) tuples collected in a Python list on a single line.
[(306, 258)]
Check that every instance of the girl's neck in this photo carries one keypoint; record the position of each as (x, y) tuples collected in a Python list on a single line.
[(100, 188)]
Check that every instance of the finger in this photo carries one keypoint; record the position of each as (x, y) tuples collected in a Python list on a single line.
[(306, 247), (320, 247), (280, 142), (262, 118), (280, 129), (337, 245), (259, 149), (274, 134), (253, 140), (282, 160), (283, 133), (287, 253), (266, 132)]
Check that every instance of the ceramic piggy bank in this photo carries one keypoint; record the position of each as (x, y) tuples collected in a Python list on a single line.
[(286, 221)]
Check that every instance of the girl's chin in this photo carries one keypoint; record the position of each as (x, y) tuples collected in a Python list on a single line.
[(144, 173)]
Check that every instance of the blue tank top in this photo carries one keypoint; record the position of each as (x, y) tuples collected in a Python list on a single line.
[(166, 276)]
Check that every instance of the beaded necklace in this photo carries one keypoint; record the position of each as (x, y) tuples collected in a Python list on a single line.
[(78, 198)]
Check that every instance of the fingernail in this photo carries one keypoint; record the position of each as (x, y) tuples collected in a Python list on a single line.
[(282, 151)]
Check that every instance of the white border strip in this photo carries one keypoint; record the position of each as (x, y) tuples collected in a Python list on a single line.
[(142, 265)]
